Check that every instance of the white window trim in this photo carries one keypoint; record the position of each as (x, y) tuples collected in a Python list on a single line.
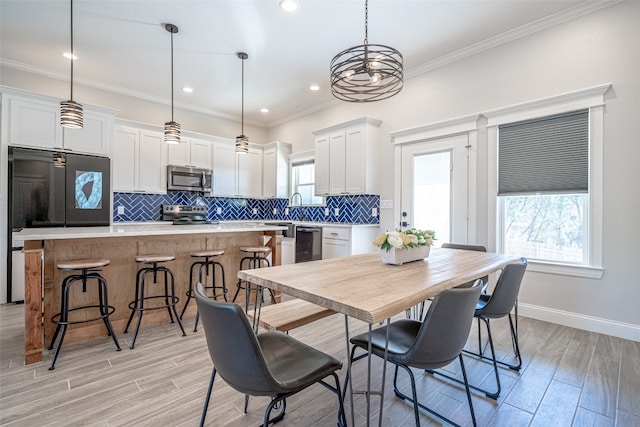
[(302, 157), (456, 126), (592, 98)]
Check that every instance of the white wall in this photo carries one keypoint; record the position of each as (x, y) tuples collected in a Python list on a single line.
[(601, 47)]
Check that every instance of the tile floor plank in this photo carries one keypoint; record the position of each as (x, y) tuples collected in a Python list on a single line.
[(164, 379)]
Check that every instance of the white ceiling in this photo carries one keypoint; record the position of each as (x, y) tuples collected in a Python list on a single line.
[(122, 46)]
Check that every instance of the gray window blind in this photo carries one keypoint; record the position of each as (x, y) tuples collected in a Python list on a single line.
[(544, 155)]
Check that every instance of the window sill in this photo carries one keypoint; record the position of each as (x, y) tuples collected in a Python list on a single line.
[(588, 272)]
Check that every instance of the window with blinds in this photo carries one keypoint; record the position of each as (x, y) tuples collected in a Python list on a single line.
[(547, 155), (543, 184)]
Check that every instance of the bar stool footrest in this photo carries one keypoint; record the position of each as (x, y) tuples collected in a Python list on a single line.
[(111, 310), (172, 303)]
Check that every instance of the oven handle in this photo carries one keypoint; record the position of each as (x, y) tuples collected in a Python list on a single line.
[(308, 230)]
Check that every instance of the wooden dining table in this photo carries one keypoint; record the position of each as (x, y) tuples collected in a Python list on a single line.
[(364, 288)]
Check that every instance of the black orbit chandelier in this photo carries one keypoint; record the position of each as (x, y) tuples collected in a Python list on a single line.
[(367, 72)]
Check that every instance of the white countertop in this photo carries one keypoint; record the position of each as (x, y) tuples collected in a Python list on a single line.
[(120, 230)]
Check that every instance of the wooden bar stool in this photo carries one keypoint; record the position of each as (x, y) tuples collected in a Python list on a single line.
[(89, 269), (206, 283), (151, 267), (257, 259)]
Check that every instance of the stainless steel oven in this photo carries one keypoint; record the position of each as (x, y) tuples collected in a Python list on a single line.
[(308, 243)]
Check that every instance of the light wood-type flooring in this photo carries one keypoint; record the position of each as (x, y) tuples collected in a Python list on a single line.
[(569, 378)]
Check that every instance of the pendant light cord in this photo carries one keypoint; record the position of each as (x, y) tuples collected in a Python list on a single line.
[(242, 91), (366, 22), (171, 76), (71, 51)]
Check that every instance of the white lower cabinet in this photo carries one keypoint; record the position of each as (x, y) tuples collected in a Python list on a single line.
[(347, 240), (288, 248)]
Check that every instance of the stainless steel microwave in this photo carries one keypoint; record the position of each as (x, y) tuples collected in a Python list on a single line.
[(180, 178)]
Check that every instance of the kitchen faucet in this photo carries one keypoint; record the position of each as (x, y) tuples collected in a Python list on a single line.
[(292, 197)]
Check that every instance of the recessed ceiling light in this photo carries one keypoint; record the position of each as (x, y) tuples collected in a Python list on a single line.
[(187, 89), (264, 110), (289, 5), (314, 88), (68, 55)]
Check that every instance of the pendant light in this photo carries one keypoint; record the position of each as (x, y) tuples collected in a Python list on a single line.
[(242, 141), (171, 129), (368, 72), (71, 111)]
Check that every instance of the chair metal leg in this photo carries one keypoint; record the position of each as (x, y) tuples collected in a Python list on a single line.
[(208, 397), (273, 405), (466, 387), (414, 400)]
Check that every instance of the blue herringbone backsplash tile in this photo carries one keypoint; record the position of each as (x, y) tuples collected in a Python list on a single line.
[(148, 207)]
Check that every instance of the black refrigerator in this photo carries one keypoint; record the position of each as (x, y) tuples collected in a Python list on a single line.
[(54, 189)]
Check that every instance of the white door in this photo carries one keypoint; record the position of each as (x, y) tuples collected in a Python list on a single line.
[(434, 188)]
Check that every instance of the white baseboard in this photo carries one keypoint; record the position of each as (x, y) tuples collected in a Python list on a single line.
[(580, 321)]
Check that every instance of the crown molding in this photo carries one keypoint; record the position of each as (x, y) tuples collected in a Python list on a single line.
[(45, 72), (511, 35)]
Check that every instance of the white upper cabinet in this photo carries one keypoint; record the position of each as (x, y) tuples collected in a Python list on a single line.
[(236, 175), (124, 159), (191, 152), (337, 162), (93, 138), (275, 174), (34, 121), (321, 165), (224, 169), (153, 162), (250, 173), (347, 159), (139, 160)]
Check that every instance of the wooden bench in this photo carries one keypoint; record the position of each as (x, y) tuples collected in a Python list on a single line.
[(291, 314)]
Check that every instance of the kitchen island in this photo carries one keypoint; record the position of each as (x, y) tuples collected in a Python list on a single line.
[(45, 247)]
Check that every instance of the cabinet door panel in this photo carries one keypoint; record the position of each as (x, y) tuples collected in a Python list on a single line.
[(200, 153), (269, 184), (92, 138), (337, 163), (321, 154), (178, 154), (250, 173), (152, 165), (34, 124), (355, 150), (332, 248), (124, 159), (224, 170)]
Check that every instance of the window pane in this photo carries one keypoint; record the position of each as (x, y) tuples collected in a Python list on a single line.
[(303, 182), (432, 194), (545, 227)]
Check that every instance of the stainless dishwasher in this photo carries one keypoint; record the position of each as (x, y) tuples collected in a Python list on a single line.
[(308, 243)]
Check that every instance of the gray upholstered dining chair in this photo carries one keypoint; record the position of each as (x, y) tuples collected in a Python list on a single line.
[(477, 248), (496, 305), (430, 344), (485, 279), (268, 364)]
